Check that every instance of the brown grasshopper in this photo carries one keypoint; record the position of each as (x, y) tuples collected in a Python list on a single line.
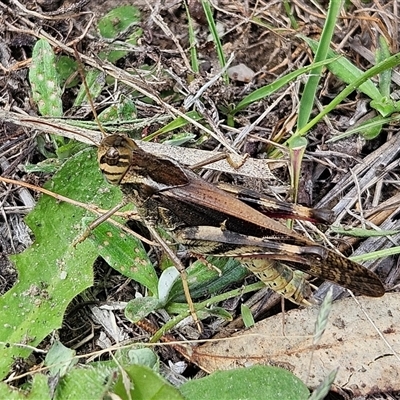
[(211, 221)]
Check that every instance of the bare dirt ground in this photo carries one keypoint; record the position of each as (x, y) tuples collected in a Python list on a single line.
[(261, 37)]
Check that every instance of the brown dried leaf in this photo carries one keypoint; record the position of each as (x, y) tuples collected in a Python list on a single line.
[(350, 342)]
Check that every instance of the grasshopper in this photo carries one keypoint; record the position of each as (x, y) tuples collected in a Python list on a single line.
[(211, 221)]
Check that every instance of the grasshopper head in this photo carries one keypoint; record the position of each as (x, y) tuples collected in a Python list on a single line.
[(115, 155)]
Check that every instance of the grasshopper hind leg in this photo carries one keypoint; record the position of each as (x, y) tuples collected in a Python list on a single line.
[(289, 283)]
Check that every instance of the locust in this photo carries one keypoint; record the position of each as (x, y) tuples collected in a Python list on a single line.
[(209, 220)]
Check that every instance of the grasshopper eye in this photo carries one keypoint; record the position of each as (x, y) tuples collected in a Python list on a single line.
[(111, 157)]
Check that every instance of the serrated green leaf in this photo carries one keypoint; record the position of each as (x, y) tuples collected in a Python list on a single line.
[(255, 383), (52, 271), (44, 80)]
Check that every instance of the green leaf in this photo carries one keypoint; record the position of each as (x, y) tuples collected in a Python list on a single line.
[(218, 312), (89, 382), (52, 271), (38, 390), (254, 383), (369, 129), (192, 41), (145, 384), (143, 356), (385, 106), (44, 79), (215, 36), (179, 139), (116, 22), (310, 88), (177, 123), (69, 149), (125, 254), (95, 81), (60, 359), (385, 77), (141, 307), (373, 255), (48, 166), (204, 280), (67, 69), (361, 232), (167, 279), (124, 110), (247, 316)]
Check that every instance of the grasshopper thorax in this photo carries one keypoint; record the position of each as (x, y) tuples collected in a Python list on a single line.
[(115, 155)]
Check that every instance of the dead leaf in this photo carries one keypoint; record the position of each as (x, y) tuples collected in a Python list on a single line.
[(350, 342)]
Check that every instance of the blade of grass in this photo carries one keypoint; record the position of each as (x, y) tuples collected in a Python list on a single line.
[(215, 36), (194, 60), (290, 15), (376, 254), (385, 77), (367, 126), (307, 99)]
